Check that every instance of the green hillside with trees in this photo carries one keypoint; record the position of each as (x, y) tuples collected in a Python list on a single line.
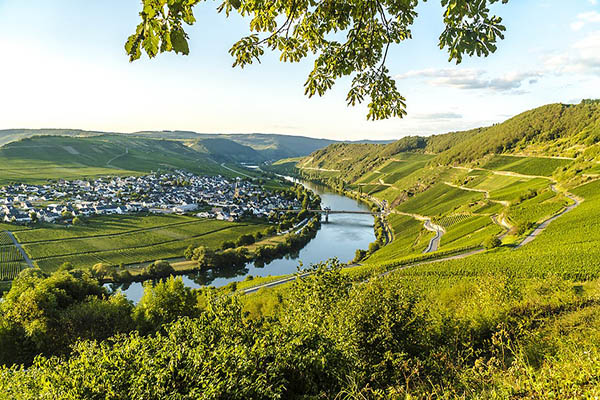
[(555, 130)]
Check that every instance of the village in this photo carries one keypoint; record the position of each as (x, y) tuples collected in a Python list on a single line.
[(177, 192)]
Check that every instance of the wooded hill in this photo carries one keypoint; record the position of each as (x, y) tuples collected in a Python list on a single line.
[(556, 130)]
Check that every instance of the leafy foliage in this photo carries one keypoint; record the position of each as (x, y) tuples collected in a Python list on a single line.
[(297, 29)]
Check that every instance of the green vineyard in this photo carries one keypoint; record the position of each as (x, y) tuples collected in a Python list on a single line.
[(5, 239), (10, 270), (447, 222)]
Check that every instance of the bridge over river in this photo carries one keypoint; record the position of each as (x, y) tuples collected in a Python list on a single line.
[(327, 212)]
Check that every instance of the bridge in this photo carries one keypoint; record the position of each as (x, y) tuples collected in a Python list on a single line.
[(328, 211)]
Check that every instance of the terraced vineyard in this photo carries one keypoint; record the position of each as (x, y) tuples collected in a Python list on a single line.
[(448, 221), (567, 248), (527, 165), (538, 208), (410, 238), (438, 200)]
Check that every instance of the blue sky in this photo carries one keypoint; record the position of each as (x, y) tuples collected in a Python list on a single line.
[(63, 66)]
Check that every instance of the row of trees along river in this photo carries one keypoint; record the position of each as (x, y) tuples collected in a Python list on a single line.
[(340, 237)]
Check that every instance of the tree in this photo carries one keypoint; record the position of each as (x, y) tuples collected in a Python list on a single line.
[(66, 266), (359, 255), (206, 257), (102, 271), (163, 303), (299, 29), (492, 242), (159, 269), (245, 240), (373, 247), (228, 244), (189, 252), (50, 313)]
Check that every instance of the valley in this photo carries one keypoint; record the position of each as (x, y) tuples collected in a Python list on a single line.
[(488, 256)]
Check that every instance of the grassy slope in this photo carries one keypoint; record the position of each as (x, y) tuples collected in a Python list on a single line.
[(42, 158)]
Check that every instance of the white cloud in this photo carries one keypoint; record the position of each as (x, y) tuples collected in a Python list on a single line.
[(438, 116), (582, 58), (471, 79), (590, 17)]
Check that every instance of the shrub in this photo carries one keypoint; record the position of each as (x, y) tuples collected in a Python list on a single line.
[(492, 242), (159, 269)]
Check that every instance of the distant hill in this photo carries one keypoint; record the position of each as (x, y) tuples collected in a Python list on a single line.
[(50, 157), (225, 150), (266, 147), (270, 146), (12, 135)]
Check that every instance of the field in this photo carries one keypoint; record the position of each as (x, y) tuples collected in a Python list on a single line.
[(119, 240), (11, 260), (526, 165)]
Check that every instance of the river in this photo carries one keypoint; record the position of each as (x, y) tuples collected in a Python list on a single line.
[(339, 238)]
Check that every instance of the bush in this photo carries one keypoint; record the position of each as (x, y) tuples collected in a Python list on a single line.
[(245, 240), (493, 242), (159, 269), (227, 245), (359, 255)]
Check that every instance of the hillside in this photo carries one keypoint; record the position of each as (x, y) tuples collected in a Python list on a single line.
[(13, 135), (470, 184), (40, 158), (225, 150), (555, 130), (267, 147)]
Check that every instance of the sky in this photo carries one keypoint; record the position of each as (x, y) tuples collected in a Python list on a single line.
[(62, 65)]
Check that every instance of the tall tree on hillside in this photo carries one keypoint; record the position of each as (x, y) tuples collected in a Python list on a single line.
[(348, 38)]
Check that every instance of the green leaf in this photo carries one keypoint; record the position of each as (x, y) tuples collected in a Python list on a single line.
[(179, 42)]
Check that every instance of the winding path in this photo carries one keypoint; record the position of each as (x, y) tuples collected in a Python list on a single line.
[(20, 248), (434, 243), (541, 227), (108, 163)]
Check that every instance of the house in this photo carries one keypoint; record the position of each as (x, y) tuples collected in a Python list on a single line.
[(184, 208)]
